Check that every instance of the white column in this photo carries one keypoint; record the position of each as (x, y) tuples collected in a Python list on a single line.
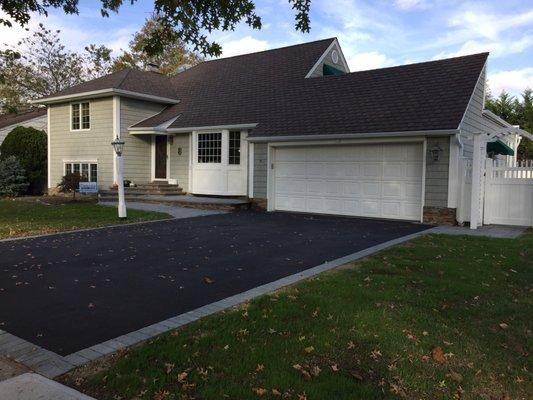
[(49, 147), (476, 182), (121, 201)]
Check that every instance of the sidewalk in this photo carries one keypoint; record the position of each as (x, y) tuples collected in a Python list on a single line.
[(30, 386)]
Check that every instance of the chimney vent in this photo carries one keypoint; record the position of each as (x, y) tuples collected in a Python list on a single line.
[(152, 67)]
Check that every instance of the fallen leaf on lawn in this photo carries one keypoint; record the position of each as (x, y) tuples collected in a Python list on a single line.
[(503, 325), (182, 377), (226, 347), (259, 368), (438, 355), (309, 349), (305, 374), (78, 381), (188, 386), (424, 358), (297, 367), (208, 280), (335, 368), (161, 395), (169, 367), (397, 390), (315, 370), (276, 392), (302, 396), (259, 391), (455, 376), (351, 345), (375, 354)]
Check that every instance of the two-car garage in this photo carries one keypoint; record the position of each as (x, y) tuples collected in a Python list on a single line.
[(370, 180)]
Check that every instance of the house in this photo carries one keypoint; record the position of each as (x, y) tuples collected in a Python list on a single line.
[(291, 128), (34, 118)]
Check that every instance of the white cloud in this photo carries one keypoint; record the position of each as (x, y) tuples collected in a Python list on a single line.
[(499, 48), (245, 45), (514, 81), (408, 4), (368, 60)]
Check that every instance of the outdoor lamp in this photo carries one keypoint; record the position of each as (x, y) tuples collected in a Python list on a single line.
[(435, 152), (118, 146)]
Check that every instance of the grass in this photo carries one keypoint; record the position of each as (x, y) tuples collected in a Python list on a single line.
[(440, 317), (32, 216)]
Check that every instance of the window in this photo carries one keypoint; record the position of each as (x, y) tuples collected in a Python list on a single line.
[(210, 147), (234, 148), (80, 116), (88, 171)]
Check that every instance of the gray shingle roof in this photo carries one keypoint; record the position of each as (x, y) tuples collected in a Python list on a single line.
[(254, 89), (133, 80)]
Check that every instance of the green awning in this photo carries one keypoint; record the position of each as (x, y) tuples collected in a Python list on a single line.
[(499, 147), (329, 70)]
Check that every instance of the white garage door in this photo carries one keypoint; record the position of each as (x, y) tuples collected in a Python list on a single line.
[(383, 181)]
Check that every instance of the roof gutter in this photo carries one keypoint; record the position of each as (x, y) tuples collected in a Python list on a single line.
[(104, 93), (444, 132), (210, 127)]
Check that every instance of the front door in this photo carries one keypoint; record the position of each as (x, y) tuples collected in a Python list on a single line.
[(160, 157)]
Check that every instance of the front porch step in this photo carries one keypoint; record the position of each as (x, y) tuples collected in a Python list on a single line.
[(183, 200)]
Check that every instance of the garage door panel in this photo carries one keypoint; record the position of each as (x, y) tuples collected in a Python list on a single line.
[(382, 180)]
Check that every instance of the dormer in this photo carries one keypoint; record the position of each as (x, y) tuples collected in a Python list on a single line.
[(331, 62)]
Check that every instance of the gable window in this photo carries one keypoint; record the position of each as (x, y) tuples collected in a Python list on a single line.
[(234, 148), (88, 171), (80, 118), (210, 147)]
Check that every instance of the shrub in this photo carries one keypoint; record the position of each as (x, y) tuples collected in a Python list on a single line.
[(70, 183), (28, 145), (12, 178)]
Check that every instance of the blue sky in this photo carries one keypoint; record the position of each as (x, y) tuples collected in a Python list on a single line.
[(372, 34)]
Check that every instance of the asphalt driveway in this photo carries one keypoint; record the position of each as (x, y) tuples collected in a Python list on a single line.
[(70, 291)]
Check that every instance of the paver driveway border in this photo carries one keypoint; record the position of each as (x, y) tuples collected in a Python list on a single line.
[(52, 365)]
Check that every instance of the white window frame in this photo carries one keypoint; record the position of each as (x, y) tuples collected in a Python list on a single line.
[(90, 118), (88, 162), (222, 144)]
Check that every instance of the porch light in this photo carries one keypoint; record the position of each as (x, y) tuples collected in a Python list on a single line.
[(435, 152), (118, 145)]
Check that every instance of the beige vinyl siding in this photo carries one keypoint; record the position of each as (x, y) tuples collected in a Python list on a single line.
[(137, 148), (473, 120), (260, 170), (87, 145), (318, 71), (179, 164), (437, 173)]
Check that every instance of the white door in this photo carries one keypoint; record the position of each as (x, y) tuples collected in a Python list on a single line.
[(219, 163), (374, 180)]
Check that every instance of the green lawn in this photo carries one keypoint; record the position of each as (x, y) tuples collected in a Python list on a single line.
[(441, 317), (23, 217)]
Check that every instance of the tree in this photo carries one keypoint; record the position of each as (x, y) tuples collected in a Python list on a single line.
[(12, 177), (70, 183), (185, 20), (28, 146), (515, 112), (174, 55), (40, 65)]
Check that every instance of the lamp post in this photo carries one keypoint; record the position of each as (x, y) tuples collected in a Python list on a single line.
[(118, 146)]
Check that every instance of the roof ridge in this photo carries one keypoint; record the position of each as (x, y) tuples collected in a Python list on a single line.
[(486, 54), (268, 50), (128, 70)]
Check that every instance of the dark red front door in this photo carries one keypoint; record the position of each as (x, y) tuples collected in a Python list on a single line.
[(160, 157)]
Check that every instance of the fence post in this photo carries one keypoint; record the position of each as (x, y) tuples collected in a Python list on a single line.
[(489, 175), (476, 182)]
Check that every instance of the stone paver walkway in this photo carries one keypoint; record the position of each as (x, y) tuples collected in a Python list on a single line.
[(174, 211), (31, 386), (495, 231)]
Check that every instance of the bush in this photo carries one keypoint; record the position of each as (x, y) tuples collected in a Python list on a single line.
[(70, 183), (28, 145), (12, 177)]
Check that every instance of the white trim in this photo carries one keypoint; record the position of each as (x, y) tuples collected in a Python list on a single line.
[(115, 132), (476, 182), (347, 142), (82, 161), (104, 93), (495, 118), (423, 196), (49, 147), (70, 119), (443, 132), (271, 180), (453, 174), (334, 43), (234, 127), (250, 169)]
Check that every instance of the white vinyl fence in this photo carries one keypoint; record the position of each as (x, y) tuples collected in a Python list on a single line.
[(509, 193), (506, 195)]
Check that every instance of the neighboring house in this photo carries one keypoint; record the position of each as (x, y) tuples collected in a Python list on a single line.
[(35, 118), (290, 128)]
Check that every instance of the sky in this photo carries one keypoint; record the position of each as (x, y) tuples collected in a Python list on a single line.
[(372, 34)]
